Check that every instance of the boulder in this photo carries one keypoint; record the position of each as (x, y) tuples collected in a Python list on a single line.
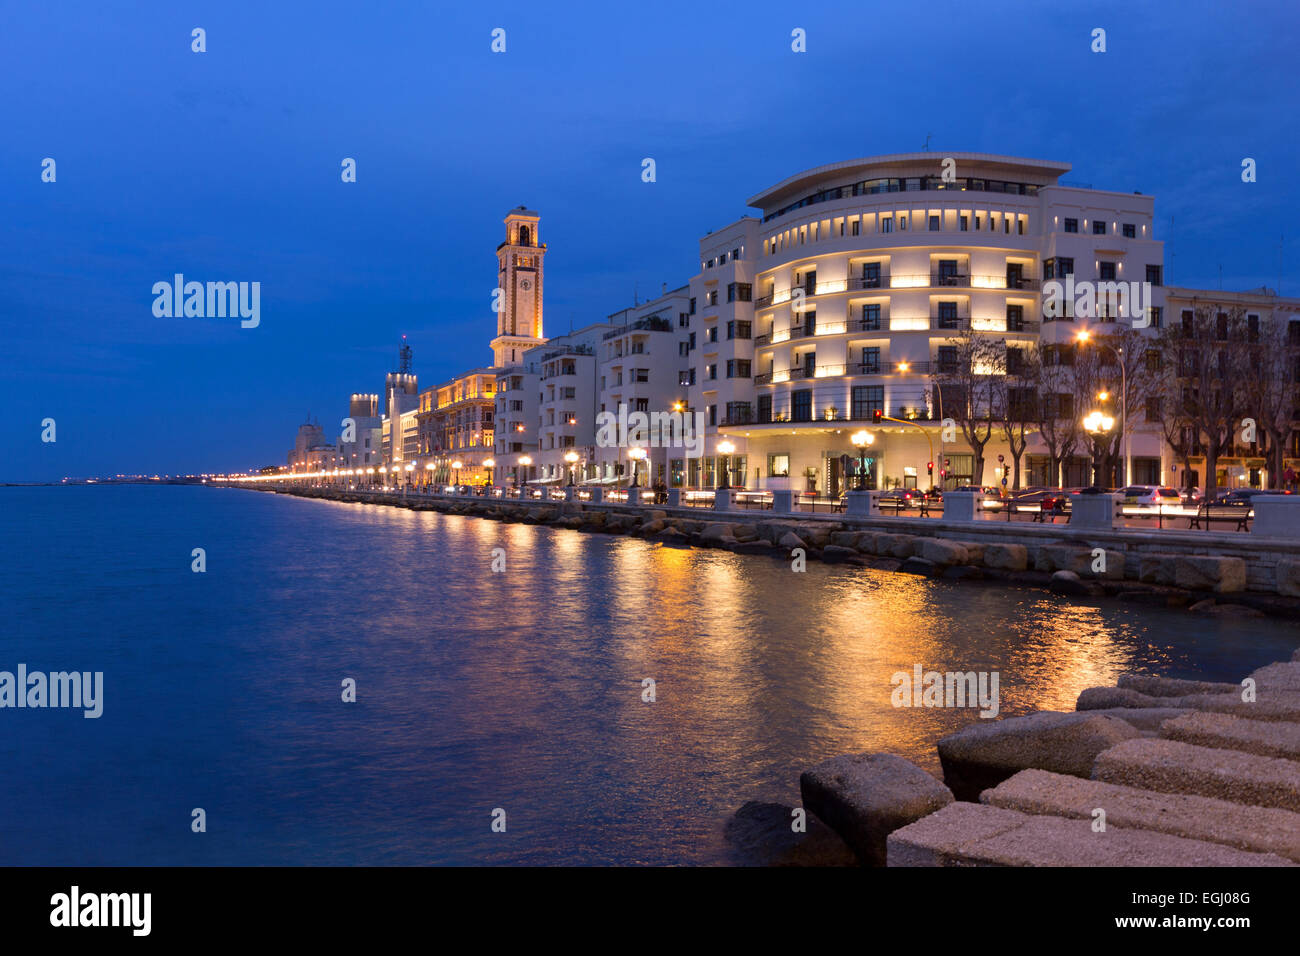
[(1060, 557), (745, 532), (1157, 569), (1173, 687), (1009, 557), (1068, 582), (920, 566), (987, 752), (762, 834), (1286, 577), (895, 545), (1210, 573), (943, 552), (714, 533), (866, 797), (789, 541), (836, 554)]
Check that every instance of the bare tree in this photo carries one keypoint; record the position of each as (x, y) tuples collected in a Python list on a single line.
[(1056, 421), (1017, 401), (1273, 394), (1209, 352), (968, 383)]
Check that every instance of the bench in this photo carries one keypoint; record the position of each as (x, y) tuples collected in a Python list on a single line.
[(1228, 514)]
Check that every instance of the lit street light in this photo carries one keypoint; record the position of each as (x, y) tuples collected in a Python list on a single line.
[(1083, 338), (862, 440), (572, 459), (725, 448), (1098, 425), (637, 455)]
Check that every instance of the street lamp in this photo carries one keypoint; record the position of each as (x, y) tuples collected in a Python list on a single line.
[(525, 461), (572, 459), (456, 465), (637, 455), (1098, 425), (725, 448), (862, 440), (1083, 338), (491, 464)]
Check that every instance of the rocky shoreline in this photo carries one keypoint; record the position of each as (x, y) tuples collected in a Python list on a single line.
[(1151, 772), (1202, 584)]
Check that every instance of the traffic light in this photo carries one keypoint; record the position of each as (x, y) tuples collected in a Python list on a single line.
[(929, 467), (876, 416)]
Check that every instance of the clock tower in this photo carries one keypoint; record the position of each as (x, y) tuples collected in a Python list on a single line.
[(519, 281)]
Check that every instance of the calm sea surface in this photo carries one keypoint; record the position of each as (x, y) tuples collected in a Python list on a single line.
[(519, 690)]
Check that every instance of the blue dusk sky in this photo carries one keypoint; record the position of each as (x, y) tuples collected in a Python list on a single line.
[(225, 165)]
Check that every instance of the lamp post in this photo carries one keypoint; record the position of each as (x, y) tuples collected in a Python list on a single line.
[(725, 448), (862, 440), (491, 465), (456, 465), (637, 455), (409, 476), (524, 461), (1083, 338), (429, 476), (572, 459), (1098, 425)]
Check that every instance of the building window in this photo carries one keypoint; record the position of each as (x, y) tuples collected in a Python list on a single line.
[(711, 333), (871, 275), (692, 312), (886, 223), (801, 406), (711, 297), (764, 409), (934, 223), (1106, 271), (639, 375), (1154, 275), (738, 368), (1071, 225), (738, 329), (711, 371), (871, 317), (853, 228), (1156, 317), (1015, 318), (947, 357), (1130, 231), (963, 223), (778, 466), (1098, 227), (866, 400), (871, 360), (683, 319), (902, 223)]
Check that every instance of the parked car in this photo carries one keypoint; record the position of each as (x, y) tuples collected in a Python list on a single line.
[(901, 499), (1151, 495), (1241, 497), (1191, 496)]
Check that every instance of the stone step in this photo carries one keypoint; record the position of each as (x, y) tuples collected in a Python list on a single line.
[(1278, 678), (1270, 704), (1257, 829), (1268, 738), (972, 834), (1172, 687), (1172, 766), (984, 753)]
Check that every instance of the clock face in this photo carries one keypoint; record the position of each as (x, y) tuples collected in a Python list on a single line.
[(526, 285)]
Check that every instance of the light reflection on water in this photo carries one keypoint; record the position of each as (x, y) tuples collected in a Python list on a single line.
[(478, 690)]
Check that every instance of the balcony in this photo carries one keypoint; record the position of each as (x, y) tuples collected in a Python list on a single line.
[(957, 322)]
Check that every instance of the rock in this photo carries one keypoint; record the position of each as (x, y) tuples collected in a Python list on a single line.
[(973, 834), (1173, 687), (939, 551), (835, 554), (1146, 719), (1068, 583), (1286, 577), (653, 526), (714, 534), (756, 547), (1224, 610), (1284, 677), (920, 566), (846, 539), (1226, 732), (1172, 766), (671, 536), (865, 797), (1060, 557), (1258, 829), (895, 545), (987, 752), (789, 541), (745, 532), (1210, 573), (1156, 569), (1010, 557), (962, 572), (761, 834)]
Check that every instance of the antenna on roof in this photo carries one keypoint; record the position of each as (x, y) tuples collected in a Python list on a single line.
[(926, 147)]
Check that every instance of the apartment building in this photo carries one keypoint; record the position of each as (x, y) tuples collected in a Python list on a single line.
[(640, 362), (456, 429)]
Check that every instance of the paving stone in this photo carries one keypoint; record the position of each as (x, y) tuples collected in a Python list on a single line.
[(865, 797), (1226, 732), (972, 834), (1172, 766), (983, 754), (1257, 829)]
